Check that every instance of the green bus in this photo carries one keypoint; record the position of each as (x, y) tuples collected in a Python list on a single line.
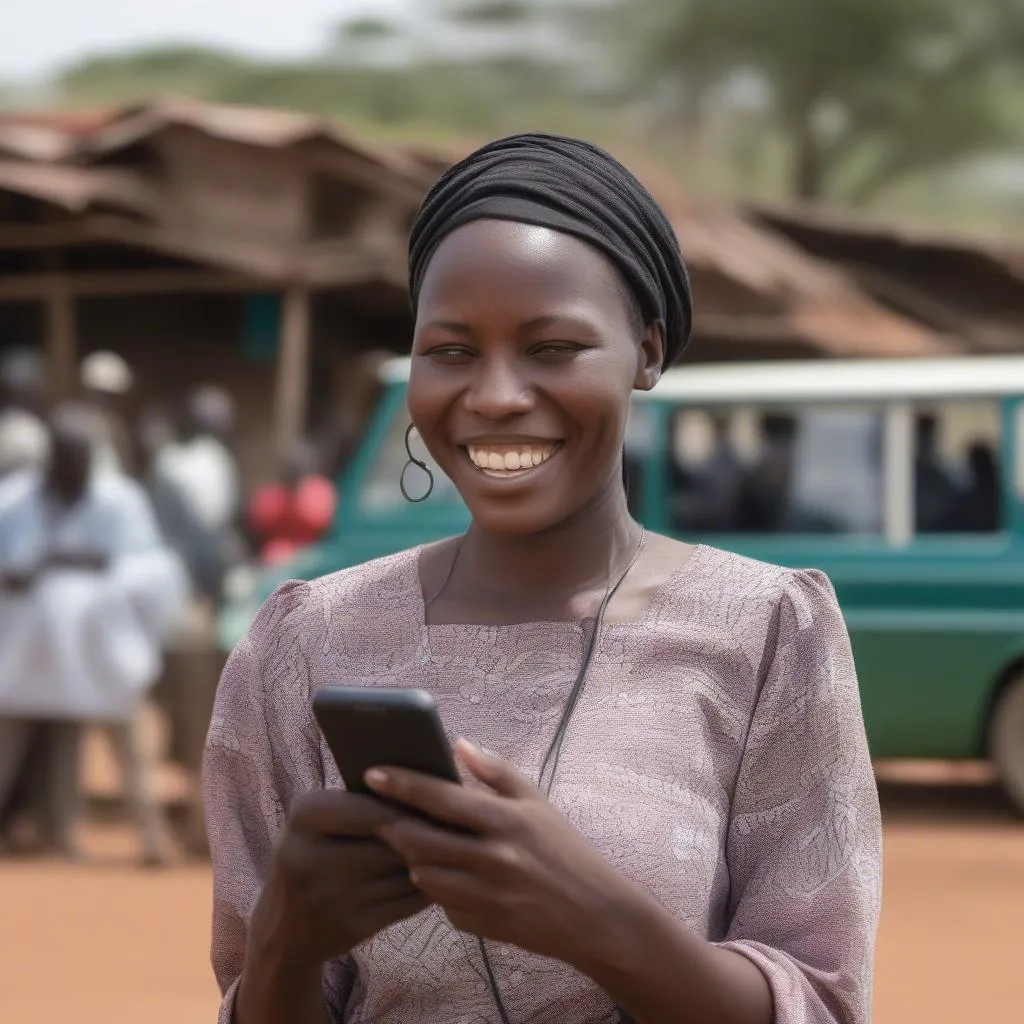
[(902, 479)]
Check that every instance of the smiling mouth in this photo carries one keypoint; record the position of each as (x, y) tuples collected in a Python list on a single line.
[(508, 461)]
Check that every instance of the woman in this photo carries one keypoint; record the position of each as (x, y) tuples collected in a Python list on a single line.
[(676, 819)]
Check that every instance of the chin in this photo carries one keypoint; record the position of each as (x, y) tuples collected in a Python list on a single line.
[(515, 518)]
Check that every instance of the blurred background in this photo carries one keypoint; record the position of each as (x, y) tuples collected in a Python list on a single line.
[(203, 215)]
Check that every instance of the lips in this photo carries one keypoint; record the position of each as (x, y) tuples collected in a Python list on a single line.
[(502, 461)]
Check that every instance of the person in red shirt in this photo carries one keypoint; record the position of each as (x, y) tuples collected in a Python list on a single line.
[(293, 512)]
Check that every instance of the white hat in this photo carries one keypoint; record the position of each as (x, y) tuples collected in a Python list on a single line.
[(106, 372)]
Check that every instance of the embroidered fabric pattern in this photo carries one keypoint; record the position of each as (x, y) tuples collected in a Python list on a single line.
[(717, 757)]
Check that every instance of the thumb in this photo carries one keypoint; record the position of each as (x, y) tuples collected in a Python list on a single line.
[(493, 772)]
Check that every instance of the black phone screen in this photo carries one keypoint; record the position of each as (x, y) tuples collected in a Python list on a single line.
[(371, 726)]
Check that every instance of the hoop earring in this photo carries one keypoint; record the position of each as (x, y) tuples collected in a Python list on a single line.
[(413, 461)]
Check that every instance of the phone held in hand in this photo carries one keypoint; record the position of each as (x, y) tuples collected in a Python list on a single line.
[(372, 726)]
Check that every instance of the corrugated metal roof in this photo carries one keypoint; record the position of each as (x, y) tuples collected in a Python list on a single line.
[(79, 189), (797, 297), (815, 302), (34, 142), (261, 127), (844, 223)]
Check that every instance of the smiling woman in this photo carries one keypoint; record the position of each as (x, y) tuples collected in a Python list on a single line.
[(676, 819)]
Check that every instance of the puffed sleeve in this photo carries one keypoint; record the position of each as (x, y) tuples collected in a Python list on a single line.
[(261, 753), (804, 841)]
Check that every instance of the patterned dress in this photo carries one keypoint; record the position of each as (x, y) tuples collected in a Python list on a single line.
[(717, 757)]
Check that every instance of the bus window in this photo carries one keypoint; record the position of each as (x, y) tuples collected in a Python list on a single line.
[(957, 448), (798, 470)]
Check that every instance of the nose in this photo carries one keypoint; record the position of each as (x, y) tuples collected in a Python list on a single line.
[(498, 391)]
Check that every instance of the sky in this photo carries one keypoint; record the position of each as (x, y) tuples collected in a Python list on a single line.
[(37, 36)]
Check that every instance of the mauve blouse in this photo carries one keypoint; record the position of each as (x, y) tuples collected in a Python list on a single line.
[(717, 757)]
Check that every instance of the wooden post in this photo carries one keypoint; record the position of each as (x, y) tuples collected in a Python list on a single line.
[(292, 368), (61, 339)]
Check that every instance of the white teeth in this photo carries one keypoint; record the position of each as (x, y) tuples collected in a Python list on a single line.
[(510, 461)]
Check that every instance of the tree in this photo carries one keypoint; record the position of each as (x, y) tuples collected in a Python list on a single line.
[(864, 91)]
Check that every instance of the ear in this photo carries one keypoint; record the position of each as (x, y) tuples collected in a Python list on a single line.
[(649, 356)]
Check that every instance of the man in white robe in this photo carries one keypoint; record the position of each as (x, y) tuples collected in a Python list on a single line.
[(87, 592)]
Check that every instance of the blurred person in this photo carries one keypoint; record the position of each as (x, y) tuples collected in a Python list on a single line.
[(195, 489), (106, 378), (198, 462), (936, 489), (679, 820), (87, 590), (24, 439), (24, 444), (712, 488), (979, 504), (764, 494), (293, 512)]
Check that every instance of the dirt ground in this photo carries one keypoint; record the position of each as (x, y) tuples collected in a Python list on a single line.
[(110, 943)]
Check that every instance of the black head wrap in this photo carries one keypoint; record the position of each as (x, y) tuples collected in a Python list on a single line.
[(571, 186)]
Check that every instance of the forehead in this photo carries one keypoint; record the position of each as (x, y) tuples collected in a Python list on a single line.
[(512, 262)]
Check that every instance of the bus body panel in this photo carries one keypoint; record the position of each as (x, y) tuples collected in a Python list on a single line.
[(935, 624)]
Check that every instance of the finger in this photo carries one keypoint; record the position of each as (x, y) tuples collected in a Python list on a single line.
[(494, 772), (455, 889), (446, 802), (336, 812), (387, 890), (397, 910), (371, 858), (420, 843)]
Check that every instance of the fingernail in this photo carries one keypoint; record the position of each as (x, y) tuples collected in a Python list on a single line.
[(376, 779)]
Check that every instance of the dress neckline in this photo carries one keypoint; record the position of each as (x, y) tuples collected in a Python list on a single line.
[(682, 572)]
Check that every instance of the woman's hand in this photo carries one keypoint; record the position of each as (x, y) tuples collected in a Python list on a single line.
[(517, 871), (333, 883)]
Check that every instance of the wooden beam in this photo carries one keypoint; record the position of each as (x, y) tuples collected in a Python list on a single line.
[(61, 338), (43, 236), (293, 368), (35, 287)]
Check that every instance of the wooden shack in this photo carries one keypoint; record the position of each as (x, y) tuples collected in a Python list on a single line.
[(266, 251), (260, 249)]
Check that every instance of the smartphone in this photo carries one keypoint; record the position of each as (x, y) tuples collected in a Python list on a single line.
[(371, 726)]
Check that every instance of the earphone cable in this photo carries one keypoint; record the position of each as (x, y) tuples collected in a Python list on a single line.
[(555, 749)]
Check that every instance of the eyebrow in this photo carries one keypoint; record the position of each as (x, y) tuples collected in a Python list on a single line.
[(449, 325), (533, 324)]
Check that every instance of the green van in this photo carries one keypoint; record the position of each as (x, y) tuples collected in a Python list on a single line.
[(903, 480)]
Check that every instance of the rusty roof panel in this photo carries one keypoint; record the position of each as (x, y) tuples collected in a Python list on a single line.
[(261, 127), (79, 189)]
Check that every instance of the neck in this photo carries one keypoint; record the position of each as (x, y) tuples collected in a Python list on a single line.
[(558, 564)]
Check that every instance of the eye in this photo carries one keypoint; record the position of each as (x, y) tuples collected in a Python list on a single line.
[(449, 353), (556, 349)]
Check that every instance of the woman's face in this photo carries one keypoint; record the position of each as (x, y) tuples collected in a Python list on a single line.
[(524, 357)]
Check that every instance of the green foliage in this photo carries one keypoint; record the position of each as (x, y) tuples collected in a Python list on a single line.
[(499, 13), (363, 29), (119, 78), (849, 100), (865, 91)]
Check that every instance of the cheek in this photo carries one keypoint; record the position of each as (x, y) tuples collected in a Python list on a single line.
[(600, 408), (428, 407)]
